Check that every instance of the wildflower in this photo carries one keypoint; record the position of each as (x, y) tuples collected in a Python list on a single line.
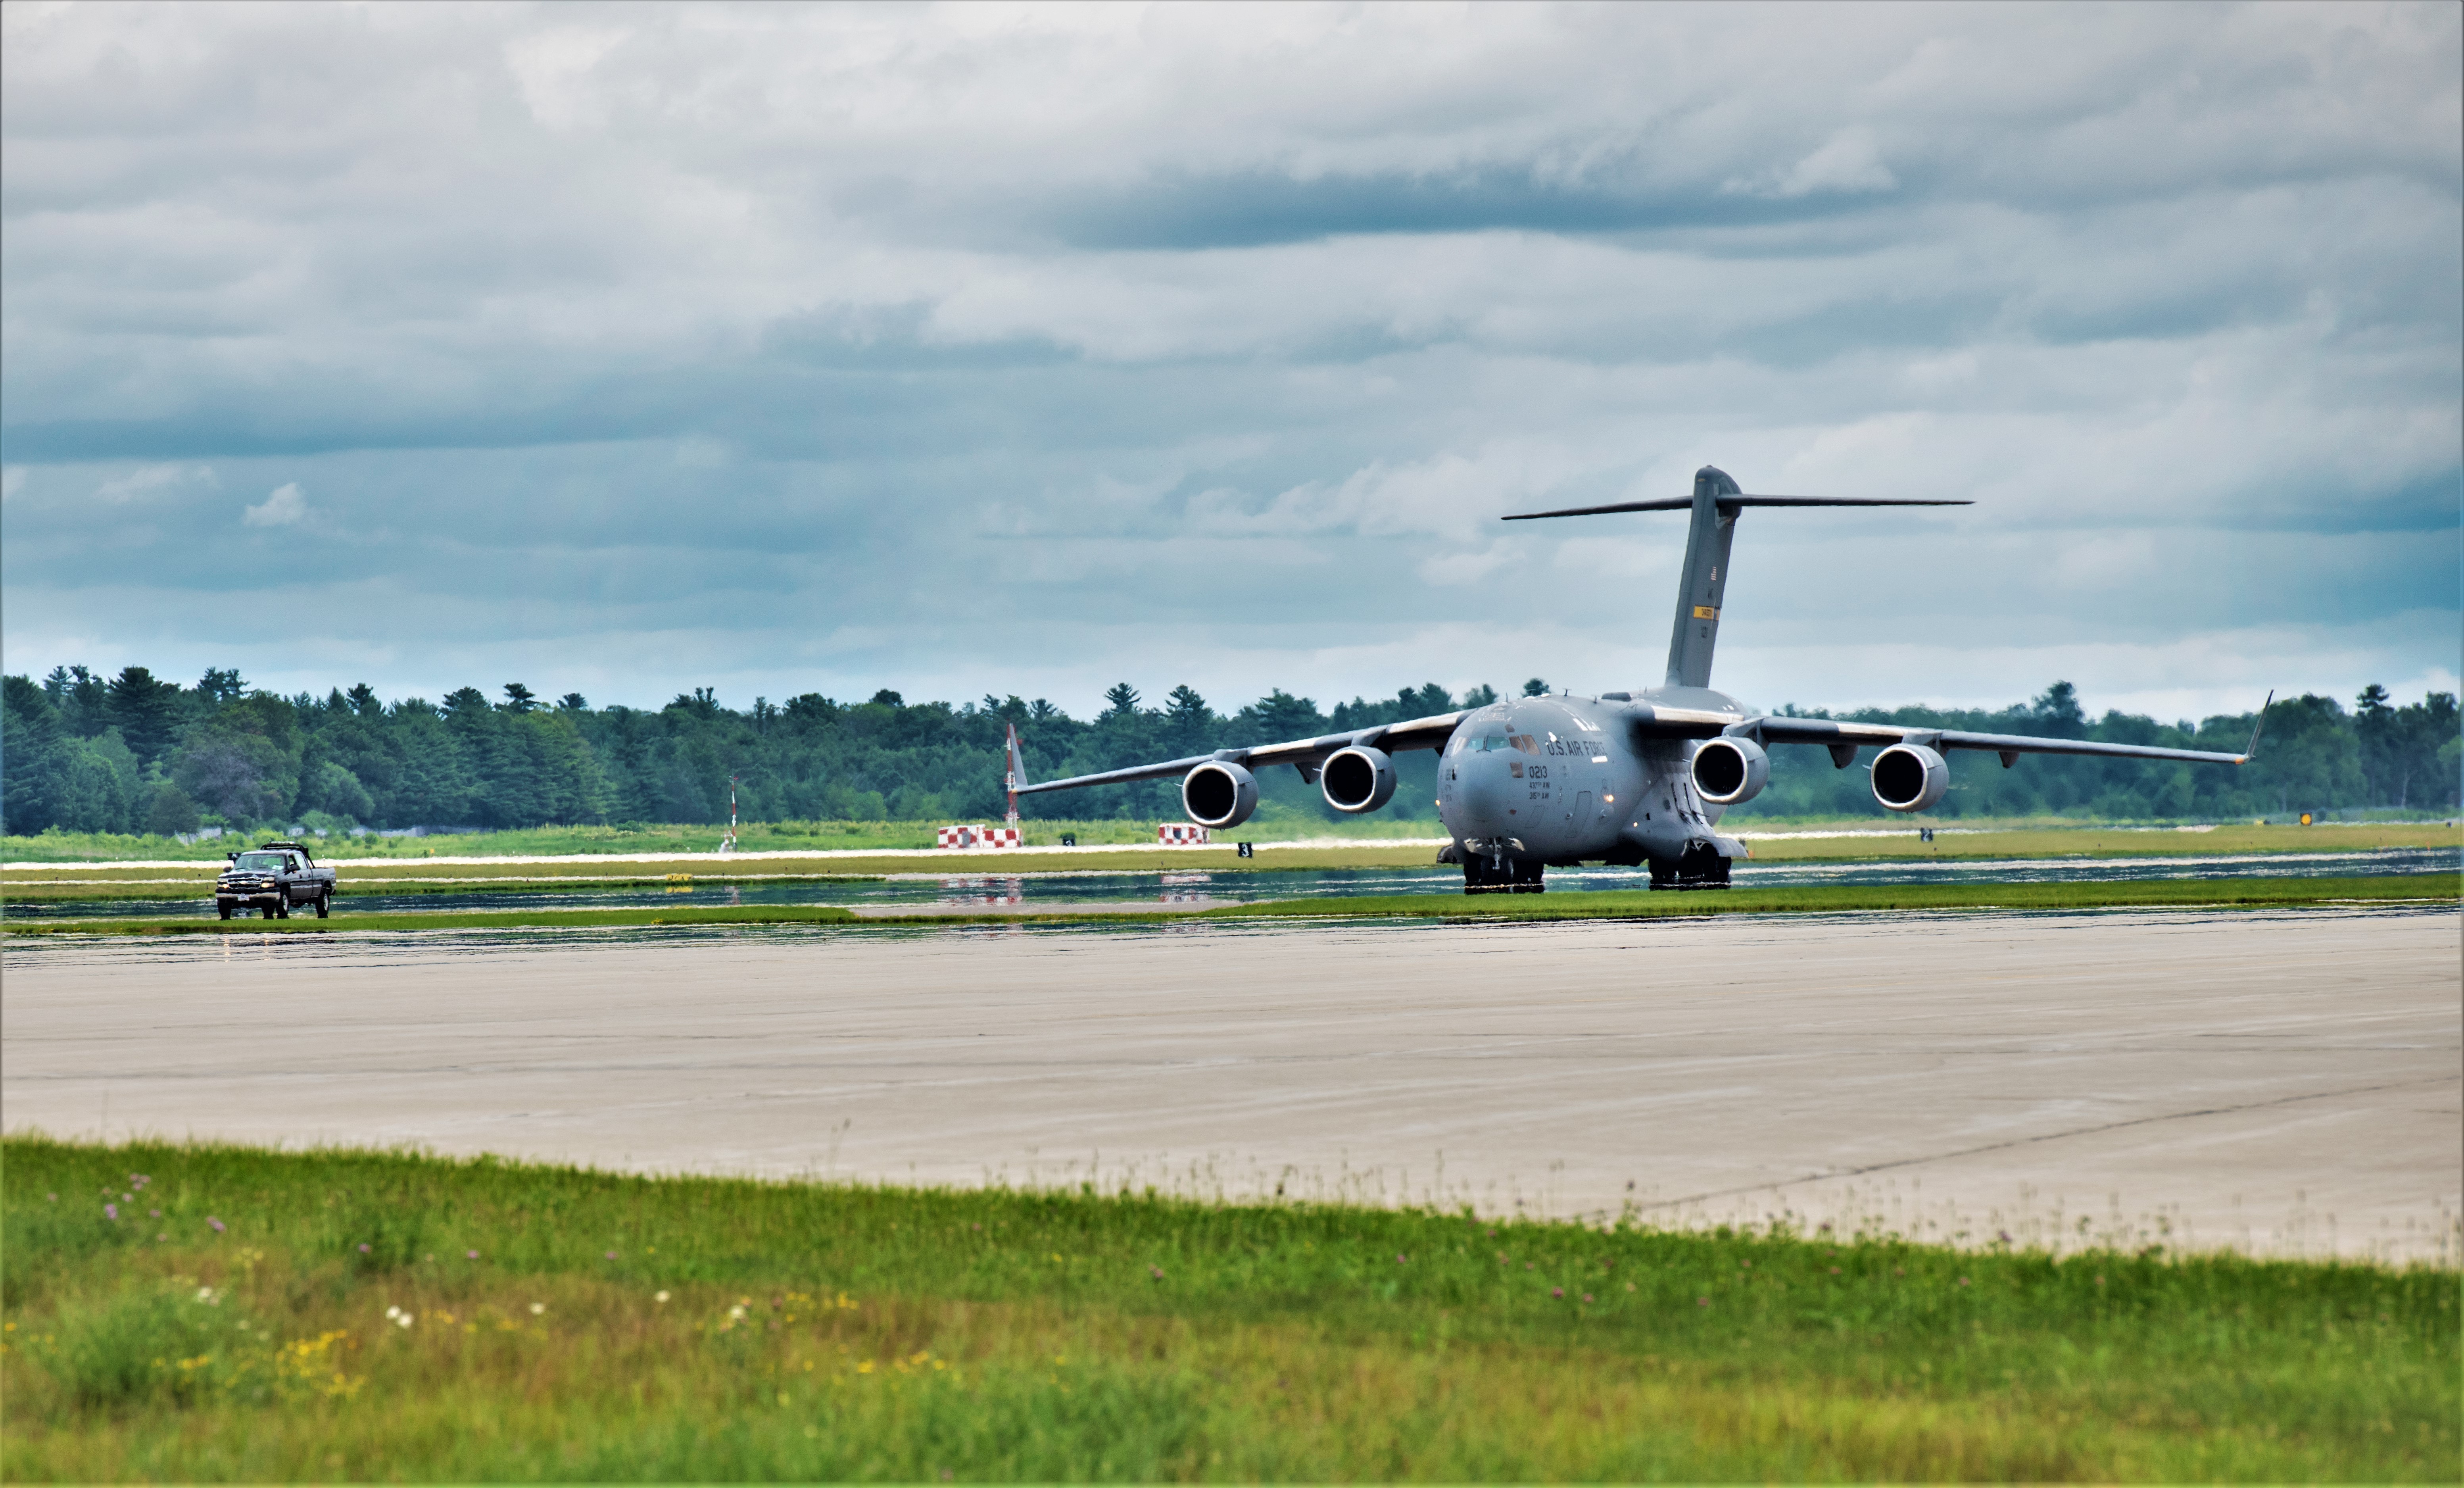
[(470, 1255), (1702, 1301), (611, 1255), (403, 1321), (537, 1308), (209, 1295), (1835, 1271), (1962, 1281), (1557, 1291), (54, 1197), (138, 1180), (660, 1297), (160, 1238), (1587, 1297), (393, 1312), (1158, 1271), (364, 1247), (111, 1212), (153, 1213), (214, 1224), (1401, 1259), (1629, 1286)]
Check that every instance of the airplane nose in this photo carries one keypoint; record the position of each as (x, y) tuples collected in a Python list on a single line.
[(1480, 795)]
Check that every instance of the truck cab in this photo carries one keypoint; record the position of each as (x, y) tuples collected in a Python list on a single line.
[(273, 879)]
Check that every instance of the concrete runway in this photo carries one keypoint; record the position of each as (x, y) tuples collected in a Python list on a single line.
[(2279, 1083)]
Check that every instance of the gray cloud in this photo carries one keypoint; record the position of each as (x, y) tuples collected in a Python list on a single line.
[(784, 348)]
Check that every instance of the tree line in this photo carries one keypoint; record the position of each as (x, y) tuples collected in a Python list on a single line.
[(138, 753)]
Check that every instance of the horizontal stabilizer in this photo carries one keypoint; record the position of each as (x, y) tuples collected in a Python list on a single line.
[(1728, 503)]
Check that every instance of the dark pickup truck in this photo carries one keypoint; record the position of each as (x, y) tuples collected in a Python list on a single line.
[(274, 880)]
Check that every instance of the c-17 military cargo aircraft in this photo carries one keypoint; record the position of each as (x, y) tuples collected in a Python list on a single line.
[(1622, 778)]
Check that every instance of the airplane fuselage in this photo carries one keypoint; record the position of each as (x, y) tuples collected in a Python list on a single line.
[(1561, 780)]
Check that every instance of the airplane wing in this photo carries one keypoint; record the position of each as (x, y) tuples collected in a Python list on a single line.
[(1424, 733), (1651, 721)]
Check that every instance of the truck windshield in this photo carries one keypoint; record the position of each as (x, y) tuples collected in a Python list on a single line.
[(262, 862)]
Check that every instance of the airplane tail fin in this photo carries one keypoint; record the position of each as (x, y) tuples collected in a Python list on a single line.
[(1704, 580)]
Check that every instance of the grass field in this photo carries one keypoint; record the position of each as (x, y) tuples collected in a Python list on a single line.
[(68, 880), (1965, 839), (685, 840), (1617, 904), (241, 1315)]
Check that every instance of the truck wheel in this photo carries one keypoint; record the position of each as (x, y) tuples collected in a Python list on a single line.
[(226, 909), (265, 913), (282, 907), (325, 904)]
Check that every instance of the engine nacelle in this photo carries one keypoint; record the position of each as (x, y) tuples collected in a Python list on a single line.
[(1218, 793), (1727, 770), (1910, 777), (1357, 779)]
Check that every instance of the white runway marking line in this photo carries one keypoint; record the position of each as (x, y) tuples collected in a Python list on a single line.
[(2278, 1082)]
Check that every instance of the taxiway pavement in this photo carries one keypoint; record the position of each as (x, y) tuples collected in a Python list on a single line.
[(2279, 1083)]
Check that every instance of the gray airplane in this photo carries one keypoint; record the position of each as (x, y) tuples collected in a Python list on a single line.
[(1622, 778)]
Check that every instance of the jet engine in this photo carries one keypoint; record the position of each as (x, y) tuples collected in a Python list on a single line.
[(1357, 779), (1909, 777), (1218, 793), (1727, 770)]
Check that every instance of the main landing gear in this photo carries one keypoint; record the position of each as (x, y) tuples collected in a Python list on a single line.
[(1501, 876), (1699, 867)]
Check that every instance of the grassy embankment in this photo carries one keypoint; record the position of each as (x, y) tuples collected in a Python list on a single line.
[(67, 880), (1614, 904), (260, 1316)]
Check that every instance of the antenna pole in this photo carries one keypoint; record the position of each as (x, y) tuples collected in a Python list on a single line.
[(727, 844)]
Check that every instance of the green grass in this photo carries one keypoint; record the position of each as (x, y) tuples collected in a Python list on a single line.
[(792, 836), (2050, 837), (1837, 899), (1612, 905), (576, 1325)]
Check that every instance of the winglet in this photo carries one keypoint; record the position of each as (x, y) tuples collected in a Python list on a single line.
[(2251, 753), (1016, 763)]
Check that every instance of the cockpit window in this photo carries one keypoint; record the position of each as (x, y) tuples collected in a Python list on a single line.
[(1490, 743)]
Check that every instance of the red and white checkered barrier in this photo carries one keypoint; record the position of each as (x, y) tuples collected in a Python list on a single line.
[(1173, 834), (979, 836)]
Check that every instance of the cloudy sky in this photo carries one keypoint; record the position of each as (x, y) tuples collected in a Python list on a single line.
[(991, 349)]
